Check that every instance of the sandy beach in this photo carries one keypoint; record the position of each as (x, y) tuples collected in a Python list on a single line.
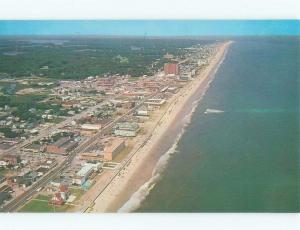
[(125, 191)]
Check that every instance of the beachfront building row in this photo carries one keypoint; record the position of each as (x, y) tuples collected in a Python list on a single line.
[(126, 129), (113, 148), (83, 174)]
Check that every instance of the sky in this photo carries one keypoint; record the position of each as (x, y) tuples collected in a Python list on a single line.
[(150, 27)]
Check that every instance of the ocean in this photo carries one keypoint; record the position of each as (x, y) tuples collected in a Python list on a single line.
[(242, 154)]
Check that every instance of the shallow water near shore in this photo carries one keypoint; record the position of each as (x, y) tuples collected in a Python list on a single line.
[(245, 159), (166, 147)]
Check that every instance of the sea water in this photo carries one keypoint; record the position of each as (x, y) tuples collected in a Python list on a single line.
[(245, 159)]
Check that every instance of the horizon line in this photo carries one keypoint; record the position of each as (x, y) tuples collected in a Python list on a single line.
[(153, 27)]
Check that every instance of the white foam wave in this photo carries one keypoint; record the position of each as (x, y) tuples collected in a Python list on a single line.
[(207, 111), (136, 199), (140, 195)]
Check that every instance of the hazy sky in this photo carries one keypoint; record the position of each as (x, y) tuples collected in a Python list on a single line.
[(150, 27)]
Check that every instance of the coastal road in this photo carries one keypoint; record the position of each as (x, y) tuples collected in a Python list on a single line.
[(47, 131), (23, 198), (91, 201)]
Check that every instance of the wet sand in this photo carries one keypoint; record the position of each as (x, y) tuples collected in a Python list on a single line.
[(142, 172)]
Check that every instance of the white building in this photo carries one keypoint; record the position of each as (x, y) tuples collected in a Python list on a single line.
[(95, 127)]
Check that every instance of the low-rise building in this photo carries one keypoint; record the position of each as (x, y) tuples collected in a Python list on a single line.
[(95, 155), (64, 191), (57, 199), (83, 174), (11, 159), (155, 102), (126, 129), (142, 112), (63, 146), (185, 77), (94, 127)]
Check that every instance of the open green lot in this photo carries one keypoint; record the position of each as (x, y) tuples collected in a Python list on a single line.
[(40, 204)]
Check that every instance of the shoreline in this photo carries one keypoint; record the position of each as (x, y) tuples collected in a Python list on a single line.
[(125, 192)]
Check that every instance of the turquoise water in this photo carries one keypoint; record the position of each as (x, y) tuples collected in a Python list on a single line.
[(247, 158)]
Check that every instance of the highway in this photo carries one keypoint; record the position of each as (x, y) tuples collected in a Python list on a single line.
[(49, 130), (19, 201)]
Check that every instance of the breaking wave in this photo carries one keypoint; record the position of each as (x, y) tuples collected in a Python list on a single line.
[(140, 195)]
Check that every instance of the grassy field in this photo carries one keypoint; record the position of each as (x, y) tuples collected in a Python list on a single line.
[(40, 204)]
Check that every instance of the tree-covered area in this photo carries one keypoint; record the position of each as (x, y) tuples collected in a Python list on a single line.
[(78, 58), (22, 104)]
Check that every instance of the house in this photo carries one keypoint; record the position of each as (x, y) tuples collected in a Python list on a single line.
[(33, 175), (64, 191), (3, 163), (24, 182), (11, 159), (42, 170), (57, 199)]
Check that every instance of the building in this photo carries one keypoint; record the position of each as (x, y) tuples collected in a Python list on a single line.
[(87, 133), (24, 182), (142, 112), (128, 104), (172, 89), (185, 77), (57, 199), (41, 171), (171, 69), (3, 163), (11, 159), (64, 191), (83, 174), (113, 149), (62, 146), (94, 127), (106, 82), (155, 102), (126, 129), (168, 56), (91, 156), (48, 163)]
